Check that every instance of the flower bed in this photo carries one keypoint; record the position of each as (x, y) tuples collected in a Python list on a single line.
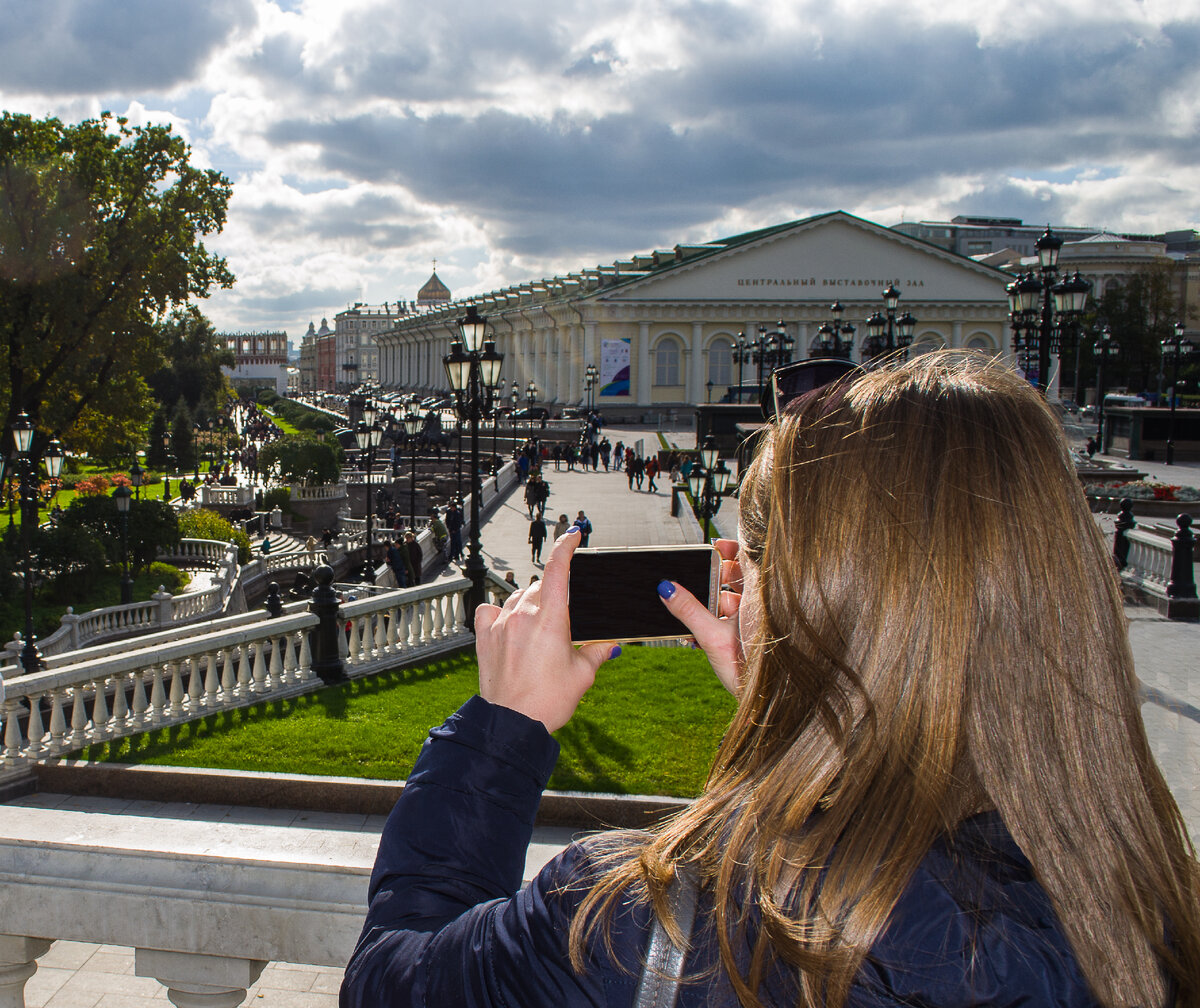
[(1147, 490)]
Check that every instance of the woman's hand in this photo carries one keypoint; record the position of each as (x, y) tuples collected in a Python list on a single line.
[(717, 635), (526, 659)]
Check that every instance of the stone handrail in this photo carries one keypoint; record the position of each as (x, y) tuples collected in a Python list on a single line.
[(210, 494), (110, 696), (332, 491), (1149, 560)]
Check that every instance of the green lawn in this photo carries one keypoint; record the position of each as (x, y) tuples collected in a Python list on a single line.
[(650, 725)]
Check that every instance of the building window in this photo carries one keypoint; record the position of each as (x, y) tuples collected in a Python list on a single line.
[(720, 362), (666, 362)]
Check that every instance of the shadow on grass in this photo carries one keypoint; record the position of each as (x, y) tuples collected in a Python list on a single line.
[(594, 756)]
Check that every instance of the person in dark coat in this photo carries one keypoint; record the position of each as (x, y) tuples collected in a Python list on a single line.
[(414, 556), (537, 536), (454, 525), (936, 789)]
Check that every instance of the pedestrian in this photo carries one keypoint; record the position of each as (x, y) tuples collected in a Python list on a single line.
[(561, 526), (619, 456), (570, 454), (454, 525), (605, 452), (537, 536), (557, 455), (583, 523), (511, 578), (651, 472), (959, 806), (414, 556), (310, 545), (532, 493), (166, 488), (326, 537), (629, 470), (397, 560), (639, 470), (585, 455), (543, 495), (441, 534)]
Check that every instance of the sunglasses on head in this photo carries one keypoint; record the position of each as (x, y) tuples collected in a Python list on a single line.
[(790, 382)]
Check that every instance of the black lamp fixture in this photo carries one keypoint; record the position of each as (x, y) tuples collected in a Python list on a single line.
[(412, 427), (27, 474), (473, 369), (834, 339), (886, 332), (1106, 348), (136, 475), (531, 394), (1044, 311), (121, 495), (772, 349), (591, 377), (1173, 348), (707, 482), (368, 435)]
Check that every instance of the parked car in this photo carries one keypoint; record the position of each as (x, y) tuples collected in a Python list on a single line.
[(530, 413)]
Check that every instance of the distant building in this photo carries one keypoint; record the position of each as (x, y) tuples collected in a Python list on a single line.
[(260, 361), (981, 236), (357, 354)]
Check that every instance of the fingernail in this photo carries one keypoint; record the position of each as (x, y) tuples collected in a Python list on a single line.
[(615, 652), (666, 589), (574, 530)]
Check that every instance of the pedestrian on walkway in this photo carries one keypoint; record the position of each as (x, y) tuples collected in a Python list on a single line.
[(397, 560), (414, 555), (557, 455), (605, 452), (533, 493), (651, 472), (561, 526), (454, 525), (619, 456), (537, 536), (583, 523)]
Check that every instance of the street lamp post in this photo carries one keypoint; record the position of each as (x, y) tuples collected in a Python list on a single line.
[(531, 391), (707, 483), (591, 377), (473, 368), (368, 435), (412, 427), (1044, 310), (1105, 348), (887, 332), (830, 341), (121, 495), (135, 477), (27, 472), (741, 354), (1173, 348), (771, 349)]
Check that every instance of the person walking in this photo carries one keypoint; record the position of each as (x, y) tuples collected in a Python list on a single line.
[(584, 524), (533, 493), (537, 536), (913, 804), (414, 556), (651, 472), (397, 560), (454, 525), (561, 526)]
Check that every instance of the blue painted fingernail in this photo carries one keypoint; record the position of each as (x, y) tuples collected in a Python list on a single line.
[(574, 530), (615, 652), (666, 589)]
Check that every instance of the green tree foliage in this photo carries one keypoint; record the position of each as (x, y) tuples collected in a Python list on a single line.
[(193, 356), (183, 443), (152, 525), (1142, 312), (156, 453), (100, 236), (73, 556), (302, 459), (201, 523)]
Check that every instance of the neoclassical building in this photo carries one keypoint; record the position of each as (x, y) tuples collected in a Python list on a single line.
[(661, 325)]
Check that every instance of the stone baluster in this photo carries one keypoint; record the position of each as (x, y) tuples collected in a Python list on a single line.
[(195, 980), (291, 671), (101, 722), (395, 615), (18, 962), (58, 722), (195, 685), (276, 668), (212, 682), (381, 621), (353, 646), (175, 709), (158, 697), (245, 673), (140, 705), (261, 683), (120, 708), (35, 733), (14, 742), (228, 676), (78, 736)]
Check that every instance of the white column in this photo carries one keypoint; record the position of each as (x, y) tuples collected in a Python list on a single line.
[(956, 336), (695, 375), (569, 390), (549, 365), (18, 962), (194, 980), (643, 364)]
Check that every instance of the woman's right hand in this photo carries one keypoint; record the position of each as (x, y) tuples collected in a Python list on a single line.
[(717, 636)]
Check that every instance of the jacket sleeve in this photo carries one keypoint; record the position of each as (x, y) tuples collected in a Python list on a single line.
[(446, 924)]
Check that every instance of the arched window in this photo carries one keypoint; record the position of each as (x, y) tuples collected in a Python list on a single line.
[(720, 362), (666, 361), (981, 343)]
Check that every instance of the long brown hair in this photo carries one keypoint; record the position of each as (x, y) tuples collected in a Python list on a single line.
[(940, 632)]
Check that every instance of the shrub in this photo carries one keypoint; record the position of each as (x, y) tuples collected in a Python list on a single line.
[(202, 523), (171, 578), (280, 497)]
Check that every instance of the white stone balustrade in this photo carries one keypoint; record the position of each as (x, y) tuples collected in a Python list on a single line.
[(215, 495), (333, 491), (1149, 561), (103, 697)]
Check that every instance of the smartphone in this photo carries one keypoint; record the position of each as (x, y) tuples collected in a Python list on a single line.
[(614, 591)]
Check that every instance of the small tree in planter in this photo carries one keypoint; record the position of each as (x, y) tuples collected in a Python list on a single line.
[(302, 459)]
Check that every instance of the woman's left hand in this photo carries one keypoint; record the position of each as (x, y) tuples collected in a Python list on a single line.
[(526, 659)]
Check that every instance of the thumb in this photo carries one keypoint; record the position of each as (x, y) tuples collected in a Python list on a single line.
[(597, 653), (485, 615), (686, 608)]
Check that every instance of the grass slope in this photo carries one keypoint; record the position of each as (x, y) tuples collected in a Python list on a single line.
[(650, 725)]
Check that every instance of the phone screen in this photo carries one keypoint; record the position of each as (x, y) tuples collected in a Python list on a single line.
[(614, 592)]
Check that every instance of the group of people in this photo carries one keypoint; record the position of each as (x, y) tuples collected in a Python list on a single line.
[(537, 532)]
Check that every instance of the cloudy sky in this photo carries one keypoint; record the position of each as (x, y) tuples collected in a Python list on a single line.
[(522, 138)]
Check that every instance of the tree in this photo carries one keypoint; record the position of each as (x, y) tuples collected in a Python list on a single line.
[(302, 459), (193, 356), (152, 525), (100, 228), (183, 444), (1142, 312)]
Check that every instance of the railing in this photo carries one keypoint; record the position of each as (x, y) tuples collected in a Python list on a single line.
[(103, 697), (210, 494), (1159, 568), (334, 491)]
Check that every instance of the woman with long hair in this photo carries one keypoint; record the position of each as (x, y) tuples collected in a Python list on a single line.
[(936, 789)]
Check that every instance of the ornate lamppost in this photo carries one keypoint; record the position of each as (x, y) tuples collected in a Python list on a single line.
[(136, 474), (834, 339), (368, 435), (1044, 311), (27, 473), (412, 427), (591, 376), (531, 391), (886, 332), (741, 355), (1105, 348), (1172, 349), (121, 495), (473, 368), (707, 483), (771, 349)]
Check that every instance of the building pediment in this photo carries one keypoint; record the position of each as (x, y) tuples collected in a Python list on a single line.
[(835, 256)]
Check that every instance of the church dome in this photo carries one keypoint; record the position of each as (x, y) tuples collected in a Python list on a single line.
[(434, 292)]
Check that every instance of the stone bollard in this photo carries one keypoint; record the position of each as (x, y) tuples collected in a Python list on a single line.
[(1183, 580), (273, 602), (1125, 521), (324, 639)]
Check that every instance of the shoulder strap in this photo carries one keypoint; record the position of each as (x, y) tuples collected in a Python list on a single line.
[(659, 983)]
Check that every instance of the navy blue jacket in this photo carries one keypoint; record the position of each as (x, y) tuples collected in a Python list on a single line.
[(449, 925)]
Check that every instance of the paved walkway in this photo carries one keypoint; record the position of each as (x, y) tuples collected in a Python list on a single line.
[(1167, 657)]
